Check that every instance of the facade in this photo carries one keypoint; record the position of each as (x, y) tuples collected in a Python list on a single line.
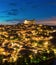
[(29, 22)]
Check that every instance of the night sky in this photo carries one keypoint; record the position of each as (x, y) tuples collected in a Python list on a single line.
[(13, 11)]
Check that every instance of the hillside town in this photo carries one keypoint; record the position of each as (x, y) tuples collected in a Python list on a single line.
[(26, 38)]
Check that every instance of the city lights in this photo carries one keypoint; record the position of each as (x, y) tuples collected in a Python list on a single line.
[(26, 41)]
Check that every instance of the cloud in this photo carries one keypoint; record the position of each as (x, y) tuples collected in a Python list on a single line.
[(52, 3), (47, 22), (12, 4), (40, 4)]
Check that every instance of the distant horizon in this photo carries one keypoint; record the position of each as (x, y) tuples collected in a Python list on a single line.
[(44, 22)]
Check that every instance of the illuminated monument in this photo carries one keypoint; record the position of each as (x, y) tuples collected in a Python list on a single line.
[(29, 22)]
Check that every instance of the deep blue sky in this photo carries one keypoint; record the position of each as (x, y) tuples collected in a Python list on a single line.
[(26, 9)]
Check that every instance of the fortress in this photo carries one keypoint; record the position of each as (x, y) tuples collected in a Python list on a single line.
[(29, 22)]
